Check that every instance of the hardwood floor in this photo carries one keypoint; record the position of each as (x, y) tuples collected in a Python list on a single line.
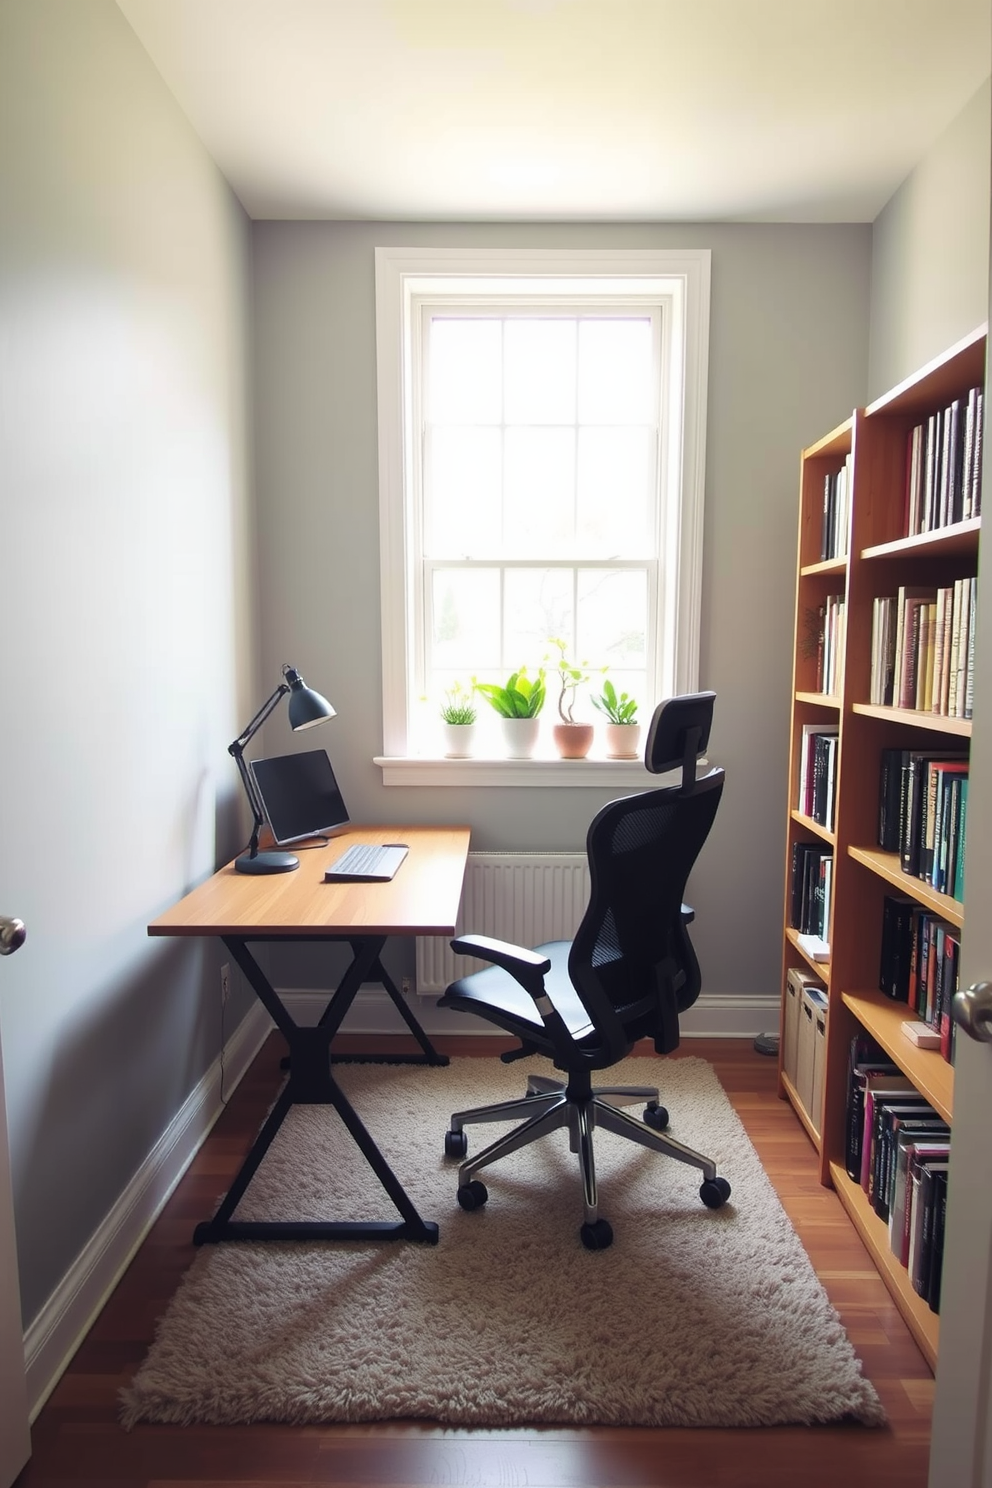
[(77, 1440)]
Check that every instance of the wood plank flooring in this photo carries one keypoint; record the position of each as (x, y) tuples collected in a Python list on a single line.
[(77, 1442)]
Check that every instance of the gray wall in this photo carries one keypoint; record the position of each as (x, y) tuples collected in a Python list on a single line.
[(930, 252), (124, 273), (788, 358)]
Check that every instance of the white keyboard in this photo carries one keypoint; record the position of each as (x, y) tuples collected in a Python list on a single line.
[(367, 862)]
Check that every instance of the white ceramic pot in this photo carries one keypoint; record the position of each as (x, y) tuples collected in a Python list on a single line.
[(623, 741), (459, 739), (520, 736)]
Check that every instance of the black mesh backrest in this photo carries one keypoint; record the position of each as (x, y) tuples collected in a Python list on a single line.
[(632, 946)]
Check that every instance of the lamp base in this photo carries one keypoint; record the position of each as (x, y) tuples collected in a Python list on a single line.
[(266, 862)]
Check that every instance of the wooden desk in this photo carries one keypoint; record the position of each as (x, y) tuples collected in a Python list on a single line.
[(241, 908)]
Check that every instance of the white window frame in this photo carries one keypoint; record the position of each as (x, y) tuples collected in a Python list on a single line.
[(677, 278)]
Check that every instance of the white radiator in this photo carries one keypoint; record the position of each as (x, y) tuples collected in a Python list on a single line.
[(526, 898)]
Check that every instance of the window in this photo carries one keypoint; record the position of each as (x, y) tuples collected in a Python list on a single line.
[(541, 421)]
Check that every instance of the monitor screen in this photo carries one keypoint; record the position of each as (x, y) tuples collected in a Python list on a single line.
[(300, 795)]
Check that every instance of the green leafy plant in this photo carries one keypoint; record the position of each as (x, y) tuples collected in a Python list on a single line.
[(520, 698), (570, 677), (458, 706), (622, 709)]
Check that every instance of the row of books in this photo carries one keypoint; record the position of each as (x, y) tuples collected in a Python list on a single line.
[(919, 965), (944, 466), (811, 887), (836, 512), (923, 814), (818, 772), (826, 625), (923, 649), (898, 1149)]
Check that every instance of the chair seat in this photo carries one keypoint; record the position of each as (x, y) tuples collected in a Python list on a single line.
[(501, 995)]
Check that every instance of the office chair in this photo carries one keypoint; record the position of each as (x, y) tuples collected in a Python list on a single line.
[(627, 975)]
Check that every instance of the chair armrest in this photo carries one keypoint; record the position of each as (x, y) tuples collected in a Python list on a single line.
[(512, 958)]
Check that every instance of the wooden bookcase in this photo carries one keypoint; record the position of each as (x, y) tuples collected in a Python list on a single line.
[(879, 558)]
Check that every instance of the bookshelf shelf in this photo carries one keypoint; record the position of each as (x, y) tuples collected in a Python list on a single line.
[(883, 1019), (910, 535), (809, 825), (922, 1323), (887, 866), (821, 968), (913, 718), (819, 700), (957, 537)]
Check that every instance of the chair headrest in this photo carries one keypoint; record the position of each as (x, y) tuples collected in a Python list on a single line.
[(679, 734)]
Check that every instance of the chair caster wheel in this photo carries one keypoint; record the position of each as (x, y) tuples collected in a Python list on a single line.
[(455, 1144), (597, 1236), (656, 1115), (473, 1195), (714, 1192)]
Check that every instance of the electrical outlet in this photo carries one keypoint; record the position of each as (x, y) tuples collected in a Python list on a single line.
[(225, 982), (405, 987)]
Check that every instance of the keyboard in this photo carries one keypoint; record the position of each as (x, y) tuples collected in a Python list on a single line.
[(367, 862)]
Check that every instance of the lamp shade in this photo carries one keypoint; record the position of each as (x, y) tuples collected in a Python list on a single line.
[(306, 707)]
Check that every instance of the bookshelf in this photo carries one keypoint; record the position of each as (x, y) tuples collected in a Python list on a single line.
[(877, 550)]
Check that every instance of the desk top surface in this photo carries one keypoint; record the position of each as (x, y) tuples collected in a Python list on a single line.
[(422, 899)]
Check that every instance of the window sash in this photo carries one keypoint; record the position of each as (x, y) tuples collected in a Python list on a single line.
[(404, 276)]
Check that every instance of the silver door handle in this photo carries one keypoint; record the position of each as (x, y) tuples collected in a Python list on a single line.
[(972, 1011), (12, 935)]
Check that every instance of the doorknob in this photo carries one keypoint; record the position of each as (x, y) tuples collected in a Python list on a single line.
[(12, 935), (972, 1010)]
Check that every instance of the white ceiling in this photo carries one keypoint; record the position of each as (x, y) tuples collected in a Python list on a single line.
[(573, 110)]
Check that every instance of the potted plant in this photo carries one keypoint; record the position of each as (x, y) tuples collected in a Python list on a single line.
[(518, 704), (458, 716), (623, 732), (572, 740)]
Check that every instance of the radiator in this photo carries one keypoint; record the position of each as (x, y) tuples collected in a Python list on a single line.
[(526, 898)]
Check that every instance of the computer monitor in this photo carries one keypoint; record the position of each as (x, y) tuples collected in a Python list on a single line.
[(300, 795)]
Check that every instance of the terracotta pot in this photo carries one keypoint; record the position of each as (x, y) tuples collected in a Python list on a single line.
[(623, 741), (573, 740)]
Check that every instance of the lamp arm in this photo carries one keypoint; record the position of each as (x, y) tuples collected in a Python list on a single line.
[(244, 738), (237, 752)]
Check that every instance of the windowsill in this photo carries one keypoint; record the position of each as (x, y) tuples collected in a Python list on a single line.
[(548, 772)]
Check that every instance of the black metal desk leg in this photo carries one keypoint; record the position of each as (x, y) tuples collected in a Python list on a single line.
[(367, 954), (310, 1082)]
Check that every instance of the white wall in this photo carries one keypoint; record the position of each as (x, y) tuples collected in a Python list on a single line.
[(788, 356), (930, 251), (124, 267)]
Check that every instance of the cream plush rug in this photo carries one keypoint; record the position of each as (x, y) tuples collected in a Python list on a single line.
[(694, 1317)]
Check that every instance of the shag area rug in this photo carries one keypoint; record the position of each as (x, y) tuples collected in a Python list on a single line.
[(693, 1317)]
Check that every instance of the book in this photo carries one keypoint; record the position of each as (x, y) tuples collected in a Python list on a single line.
[(907, 1144), (896, 946), (878, 1086), (888, 1115), (912, 812), (926, 1199), (892, 762), (918, 1153), (865, 1056), (939, 1226)]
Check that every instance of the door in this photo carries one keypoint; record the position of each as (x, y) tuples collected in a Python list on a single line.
[(15, 1441), (961, 1446)]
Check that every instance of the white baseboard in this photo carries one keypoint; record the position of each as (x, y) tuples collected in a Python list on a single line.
[(58, 1330), (714, 1015)]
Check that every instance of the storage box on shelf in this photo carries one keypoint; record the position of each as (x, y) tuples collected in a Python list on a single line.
[(905, 533)]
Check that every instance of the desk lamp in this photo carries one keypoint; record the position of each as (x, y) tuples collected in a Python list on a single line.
[(306, 708)]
